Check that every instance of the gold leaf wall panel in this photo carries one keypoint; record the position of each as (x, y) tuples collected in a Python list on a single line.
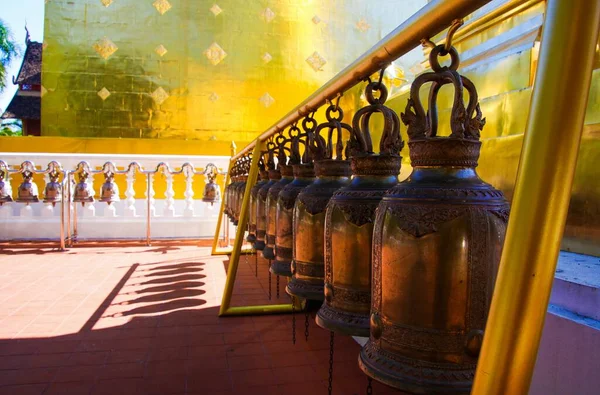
[(196, 69)]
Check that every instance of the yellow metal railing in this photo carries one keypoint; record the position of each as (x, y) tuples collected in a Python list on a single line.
[(543, 186)]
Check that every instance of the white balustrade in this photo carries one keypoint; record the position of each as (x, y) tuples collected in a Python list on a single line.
[(181, 218)]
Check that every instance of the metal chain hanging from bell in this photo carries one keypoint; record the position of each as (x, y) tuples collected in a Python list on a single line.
[(309, 211), (437, 242), (350, 216)]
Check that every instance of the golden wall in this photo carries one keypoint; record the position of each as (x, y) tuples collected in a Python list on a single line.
[(196, 69)]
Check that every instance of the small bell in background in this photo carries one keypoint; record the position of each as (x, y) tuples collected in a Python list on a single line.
[(212, 192), (84, 190), (5, 194), (52, 193), (109, 193)]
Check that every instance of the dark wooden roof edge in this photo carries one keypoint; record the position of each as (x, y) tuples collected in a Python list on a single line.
[(30, 71), (23, 107)]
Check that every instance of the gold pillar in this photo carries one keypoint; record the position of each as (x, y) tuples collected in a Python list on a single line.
[(541, 198)]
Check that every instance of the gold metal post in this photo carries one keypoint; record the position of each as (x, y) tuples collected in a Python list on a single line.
[(239, 237), (541, 198), (215, 245)]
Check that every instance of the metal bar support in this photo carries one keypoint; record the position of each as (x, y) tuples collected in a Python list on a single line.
[(541, 198)]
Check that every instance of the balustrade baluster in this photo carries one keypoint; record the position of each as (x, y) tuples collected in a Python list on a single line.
[(150, 190), (169, 210), (189, 192), (129, 210)]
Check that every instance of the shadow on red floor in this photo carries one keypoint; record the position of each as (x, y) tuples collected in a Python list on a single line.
[(144, 321)]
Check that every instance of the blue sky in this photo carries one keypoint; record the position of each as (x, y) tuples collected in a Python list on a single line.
[(15, 13)]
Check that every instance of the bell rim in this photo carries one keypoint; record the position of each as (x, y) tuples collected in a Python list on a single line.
[(409, 383), (325, 322), (305, 290), (281, 268)]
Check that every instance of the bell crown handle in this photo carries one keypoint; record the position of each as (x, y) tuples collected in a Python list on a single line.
[(322, 147), (465, 122), (361, 143)]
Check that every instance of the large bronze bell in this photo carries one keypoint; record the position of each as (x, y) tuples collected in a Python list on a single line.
[(212, 192), (27, 191), (304, 174), (350, 216), (437, 242), (262, 208), (263, 179), (84, 190), (53, 189), (308, 265), (241, 188), (5, 188), (286, 177), (109, 192)]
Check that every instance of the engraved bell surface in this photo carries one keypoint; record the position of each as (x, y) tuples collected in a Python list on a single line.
[(303, 175), (309, 211), (53, 189), (84, 190), (28, 190), (349, 220), (212, 192), (263, 178), (286, 177), (109, 192), (261, 200), (437, 242)]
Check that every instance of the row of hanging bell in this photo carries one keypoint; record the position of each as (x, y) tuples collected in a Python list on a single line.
[(274, 175), (350, 216), (27, 191), (302, 174), (331, 174), (437, 241)]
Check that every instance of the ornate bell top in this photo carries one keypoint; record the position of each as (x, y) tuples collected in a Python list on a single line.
[(52, 192), (322, 148), (27, 191), (110, 191), (461, 148), (364, 160)]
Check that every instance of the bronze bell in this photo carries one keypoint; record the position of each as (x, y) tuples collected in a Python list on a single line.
[(84, 190), (5, 188), (263, 178), (262, 208), (53, 189), (304, 174), (212, 192), (350, 216), (286, 176), (437, 242), (309, 211), (240, 189), (228, 191), (109, 192), (28, 191)]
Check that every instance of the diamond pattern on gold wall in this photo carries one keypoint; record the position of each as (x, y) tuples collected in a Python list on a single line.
[(159, 95), (215, 54), (103, 93), (316, 61), (105, 48), (106, 3), (266, 100), (160, 50), (196, 68), (162, 6), (215, 9), (363, 25)]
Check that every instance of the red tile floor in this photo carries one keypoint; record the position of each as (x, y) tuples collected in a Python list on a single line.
[(143, 320)]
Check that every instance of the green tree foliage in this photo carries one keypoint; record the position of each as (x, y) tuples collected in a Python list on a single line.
[(8, 51), (12, 127)]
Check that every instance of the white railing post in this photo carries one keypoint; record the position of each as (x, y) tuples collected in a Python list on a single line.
[(169, 210), (150, 195), (189, 191), (129, 210)]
